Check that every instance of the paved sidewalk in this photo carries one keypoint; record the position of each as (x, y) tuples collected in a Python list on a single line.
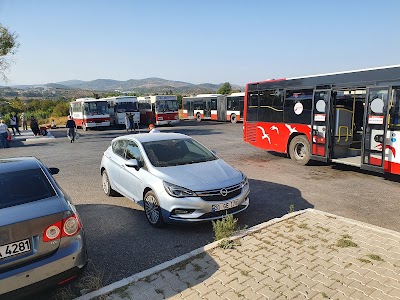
[(304, 255), (27, 136)]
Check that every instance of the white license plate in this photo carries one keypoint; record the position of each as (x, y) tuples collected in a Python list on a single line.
[(15, 248), (224, 205)]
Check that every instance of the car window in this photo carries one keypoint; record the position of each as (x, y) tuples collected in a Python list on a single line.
[(119, 146), (133, 151), (176, 152), (24, 186)]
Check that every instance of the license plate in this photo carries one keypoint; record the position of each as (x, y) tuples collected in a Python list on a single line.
[(224, 205), (15, 248)]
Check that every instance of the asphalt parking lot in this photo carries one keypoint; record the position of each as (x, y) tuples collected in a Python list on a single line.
[(122, 243)]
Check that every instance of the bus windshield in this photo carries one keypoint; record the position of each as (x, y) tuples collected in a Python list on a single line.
[(166, 105), (126, 107), (96, 108)]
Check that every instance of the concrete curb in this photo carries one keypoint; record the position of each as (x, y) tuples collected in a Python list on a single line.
[(138, 276)]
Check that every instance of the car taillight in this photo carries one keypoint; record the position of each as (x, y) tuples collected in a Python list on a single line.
[(67, 227)]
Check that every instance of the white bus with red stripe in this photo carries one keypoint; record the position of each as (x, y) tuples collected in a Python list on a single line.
[(350, 118), (90, 113), (214, 107), (159, 109)]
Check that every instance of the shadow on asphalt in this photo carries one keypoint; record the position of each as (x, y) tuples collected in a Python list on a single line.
[(121, 242)]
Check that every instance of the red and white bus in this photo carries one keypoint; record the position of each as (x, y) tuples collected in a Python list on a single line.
[(214, 107), (120, 106), (159, 109), (90, 113), (349, 117)]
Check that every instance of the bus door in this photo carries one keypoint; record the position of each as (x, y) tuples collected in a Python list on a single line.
[(374, 129), (207, 109), (320, 125)]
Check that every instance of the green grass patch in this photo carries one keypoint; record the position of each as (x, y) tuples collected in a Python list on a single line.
[(375, 257), (345, 243), (367, 261)]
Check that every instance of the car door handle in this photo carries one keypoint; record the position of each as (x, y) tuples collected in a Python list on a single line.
[(123, 166)]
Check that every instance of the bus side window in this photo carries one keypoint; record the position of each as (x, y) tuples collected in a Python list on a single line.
[(394, 113)]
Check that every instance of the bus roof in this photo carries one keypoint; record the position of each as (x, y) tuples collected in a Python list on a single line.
[(237, 94), (117, 98), (361, 77), (87, 100)]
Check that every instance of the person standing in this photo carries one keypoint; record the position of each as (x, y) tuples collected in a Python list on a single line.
[(4, 134), (131, 124), (34, 126), (71, 127), (17, 123), (127, 122), (24, 122), (13, 124)]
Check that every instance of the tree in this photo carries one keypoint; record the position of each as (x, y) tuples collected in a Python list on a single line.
[(225, 89), (8, 46), (61, 109)]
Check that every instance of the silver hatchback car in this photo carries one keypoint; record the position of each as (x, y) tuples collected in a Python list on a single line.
[(42, 243), (174, 177)]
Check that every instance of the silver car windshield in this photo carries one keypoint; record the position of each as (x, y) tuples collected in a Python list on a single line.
[(24, 186), (176, 152)]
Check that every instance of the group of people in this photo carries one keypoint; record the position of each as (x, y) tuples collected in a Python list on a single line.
[(15, 121), (129, 123)]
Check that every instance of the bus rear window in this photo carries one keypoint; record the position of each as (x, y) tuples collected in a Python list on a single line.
[(23, 187)]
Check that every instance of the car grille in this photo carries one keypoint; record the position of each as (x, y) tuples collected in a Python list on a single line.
[(215, 195), (222, 212)]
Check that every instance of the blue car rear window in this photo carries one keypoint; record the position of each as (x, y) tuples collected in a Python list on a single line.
[(24, 186)]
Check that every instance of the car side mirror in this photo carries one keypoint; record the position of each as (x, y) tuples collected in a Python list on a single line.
[(54, 171), (133, 163)]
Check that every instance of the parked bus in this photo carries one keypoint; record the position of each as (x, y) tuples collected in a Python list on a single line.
[(349, 117), (214, 107), (234, 107), (159, 109), (90, 113), (120, 106)]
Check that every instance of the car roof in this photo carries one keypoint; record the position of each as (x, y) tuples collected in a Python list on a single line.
[(15, 164), (153, 137)]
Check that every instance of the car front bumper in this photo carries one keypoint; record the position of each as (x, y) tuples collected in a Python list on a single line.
[(200, 210)]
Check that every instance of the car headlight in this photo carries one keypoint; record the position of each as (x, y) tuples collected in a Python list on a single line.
[(177, 191), (245, 181)]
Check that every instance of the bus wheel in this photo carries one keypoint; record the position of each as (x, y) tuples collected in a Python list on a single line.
[(233, 118), (198, 117), (299, 150)]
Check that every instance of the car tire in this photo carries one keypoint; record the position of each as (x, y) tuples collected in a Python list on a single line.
[(198, 117), (233, 118), (152, 210), (105, 180), (299, 150)]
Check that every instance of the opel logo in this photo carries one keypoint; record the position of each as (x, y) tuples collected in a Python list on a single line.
[(223, 192)]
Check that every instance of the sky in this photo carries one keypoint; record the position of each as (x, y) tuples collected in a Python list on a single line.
[(198, 41)]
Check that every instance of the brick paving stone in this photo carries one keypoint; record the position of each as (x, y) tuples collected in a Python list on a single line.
[(231, 295), (158, 282), (219, 287), (305, 291), (202, 289), (380, 295), (367, 290), (211, 296), (359, 296), (248, 293), (267, 293), (344, 289), (236, 285), (395, 293)]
